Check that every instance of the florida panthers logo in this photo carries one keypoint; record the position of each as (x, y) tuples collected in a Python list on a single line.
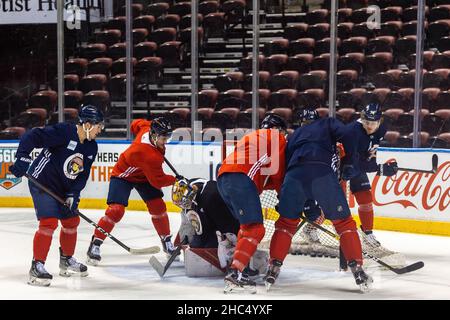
[(73, 166)]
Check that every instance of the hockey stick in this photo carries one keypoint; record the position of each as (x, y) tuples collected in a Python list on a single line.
[(149, 250), (412, 267), (158, 265), (434, 165), (171, 166)]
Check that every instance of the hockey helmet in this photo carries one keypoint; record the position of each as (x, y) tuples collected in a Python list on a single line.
[(372, 112), (273, 121), (161, 127), (306, 116), (91, 114)]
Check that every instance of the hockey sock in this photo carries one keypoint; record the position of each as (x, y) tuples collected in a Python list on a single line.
[(113, 215), (350, 243), (365, 209), (43, 238), (68, 235), (157, 209), (282, 237), (250, 235)]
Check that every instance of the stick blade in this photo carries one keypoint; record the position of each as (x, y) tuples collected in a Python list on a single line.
[(159, 268), (149, 250), (410, 268)]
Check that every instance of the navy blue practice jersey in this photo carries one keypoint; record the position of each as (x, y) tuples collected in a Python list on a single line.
[(64, 163), (316, 142), (366, 145)]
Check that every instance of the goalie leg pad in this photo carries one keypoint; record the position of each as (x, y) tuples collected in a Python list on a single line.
[(365, 209), (43, 238), (114, 213), (350, 243), (249, 237), (282, 237), (68, 235), (157, 209), (202, 262)]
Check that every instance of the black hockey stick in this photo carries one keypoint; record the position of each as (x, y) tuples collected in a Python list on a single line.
[(158, 265), (149, 250), (434, 165), (412, 267), (171, 166)]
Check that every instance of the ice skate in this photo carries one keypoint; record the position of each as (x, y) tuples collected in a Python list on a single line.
[(93, 253), (168, 246), (362, 279), (272, 273), (370, 239), (68, 266), (238, 282), (38, 275)]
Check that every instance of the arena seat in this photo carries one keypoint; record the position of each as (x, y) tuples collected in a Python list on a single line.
[(92, 82), (207, 98), (145, 49), (73, 98), (285, 98), (295, 31), (117, 51), (158, 9), (99, 66), (264, 77), (162, 35), (284, 80), (264, 95), (94, 50), (300, 62), (108, 37), (44, 99), (98, 98), (144, 22)]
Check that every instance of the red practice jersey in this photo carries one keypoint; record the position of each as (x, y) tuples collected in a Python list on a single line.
[(261, 156), (142, 161)]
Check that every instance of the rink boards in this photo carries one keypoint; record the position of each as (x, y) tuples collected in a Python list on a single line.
[(408, 202)]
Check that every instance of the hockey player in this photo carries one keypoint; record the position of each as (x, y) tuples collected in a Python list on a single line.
[(310, 175), (256, 164), (63, 166), (368, 132), (139, 167)]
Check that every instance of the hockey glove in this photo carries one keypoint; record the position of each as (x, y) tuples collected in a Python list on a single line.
[(225, 250), (71, 202), (387, 169), (348, 172), (20, 167)]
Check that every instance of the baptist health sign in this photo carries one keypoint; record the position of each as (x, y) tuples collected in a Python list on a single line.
[(45, 11)]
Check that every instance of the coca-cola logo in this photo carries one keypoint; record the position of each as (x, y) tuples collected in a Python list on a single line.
[(432, 189)]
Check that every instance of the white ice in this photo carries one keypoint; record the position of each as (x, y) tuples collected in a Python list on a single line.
[(124, 276)]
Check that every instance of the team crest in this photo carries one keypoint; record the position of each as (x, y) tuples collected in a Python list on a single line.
[(73, 166)]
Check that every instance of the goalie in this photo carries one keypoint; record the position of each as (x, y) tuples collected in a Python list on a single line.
[(210, 228)]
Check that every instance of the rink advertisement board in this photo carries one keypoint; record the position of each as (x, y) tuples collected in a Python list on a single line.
[(196, 160), (411, 197)]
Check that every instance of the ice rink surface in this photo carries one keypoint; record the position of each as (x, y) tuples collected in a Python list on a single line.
[(124, 276)]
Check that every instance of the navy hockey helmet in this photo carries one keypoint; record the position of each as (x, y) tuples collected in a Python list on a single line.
[(273, 121), (372, 112), (91, 114), (161, 127), (307, 115)]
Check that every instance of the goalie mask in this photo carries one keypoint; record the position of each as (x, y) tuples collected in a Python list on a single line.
[(183, 194)]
